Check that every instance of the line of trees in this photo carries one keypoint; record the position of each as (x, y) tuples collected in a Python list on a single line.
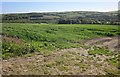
[(64, 18)]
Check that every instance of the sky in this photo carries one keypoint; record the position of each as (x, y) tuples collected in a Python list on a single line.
[(26, 7), (60, 0)]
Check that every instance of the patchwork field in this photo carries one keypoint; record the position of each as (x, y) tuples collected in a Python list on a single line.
[(59, 49)]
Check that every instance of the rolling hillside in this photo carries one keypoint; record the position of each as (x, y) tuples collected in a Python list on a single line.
[(75, 17)]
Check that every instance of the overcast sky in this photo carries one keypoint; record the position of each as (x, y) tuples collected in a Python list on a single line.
[(26, 7)]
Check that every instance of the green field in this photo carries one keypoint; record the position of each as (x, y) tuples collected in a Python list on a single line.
[(59, 49), (19, 39)]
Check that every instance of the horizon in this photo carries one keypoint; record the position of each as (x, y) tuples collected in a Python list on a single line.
[(55, 12), (43, 7)]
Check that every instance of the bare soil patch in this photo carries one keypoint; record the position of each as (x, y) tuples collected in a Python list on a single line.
[(111, 43), (11, 39)]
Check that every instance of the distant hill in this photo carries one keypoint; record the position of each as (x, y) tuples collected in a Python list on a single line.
[(73, 17)]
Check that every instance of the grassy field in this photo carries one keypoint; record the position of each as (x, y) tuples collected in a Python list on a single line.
[(59, 49), (19, 39)]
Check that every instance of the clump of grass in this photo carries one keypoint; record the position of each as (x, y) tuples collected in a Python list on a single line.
[(60, 61), (81, 65), (50, 64), (100, 51), (111, 71), (114, 61), (98, 65), (63, 68)]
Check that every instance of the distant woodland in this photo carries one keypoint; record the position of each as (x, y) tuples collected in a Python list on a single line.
[(74, 17)]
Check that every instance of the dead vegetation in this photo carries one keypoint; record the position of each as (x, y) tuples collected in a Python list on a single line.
[(74, 61)]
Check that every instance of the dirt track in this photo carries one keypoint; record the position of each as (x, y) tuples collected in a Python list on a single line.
[(35, 64), (112, 43)]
